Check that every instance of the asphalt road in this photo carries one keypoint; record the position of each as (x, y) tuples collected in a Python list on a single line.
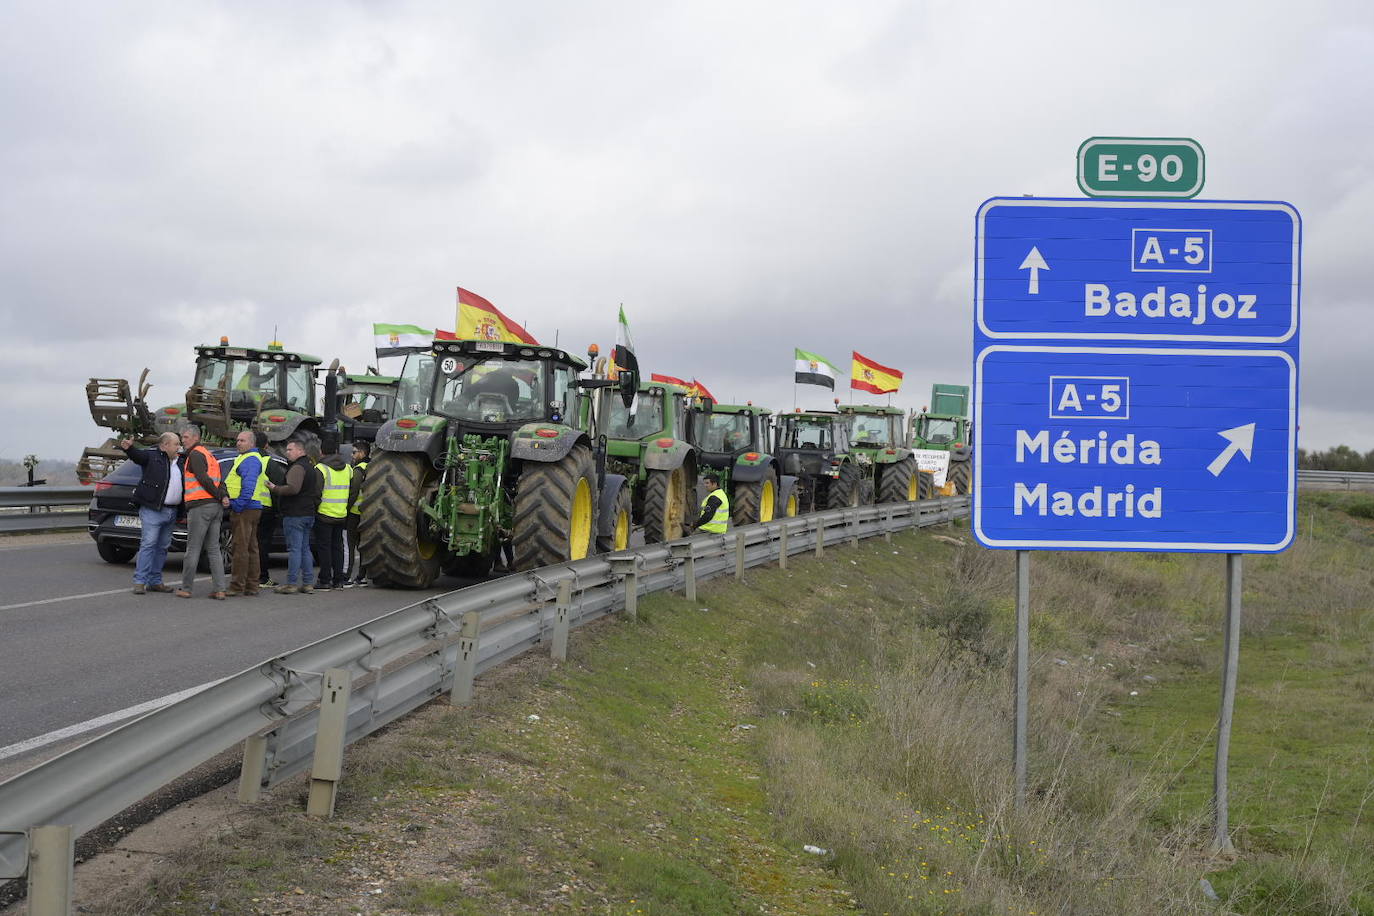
[(76, 645)]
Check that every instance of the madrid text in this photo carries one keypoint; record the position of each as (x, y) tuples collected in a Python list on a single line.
[(1091, 501)]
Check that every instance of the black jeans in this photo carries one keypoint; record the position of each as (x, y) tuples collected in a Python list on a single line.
[(329, 550)]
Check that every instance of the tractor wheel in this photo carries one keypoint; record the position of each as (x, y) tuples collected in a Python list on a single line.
[(111, 552), (845, 489), (756, 501), (555, 509), (621, 513), (469, 566), (395, 540), (792, 507), (899, 483), (925, 485), (665, 505), (961, 476)]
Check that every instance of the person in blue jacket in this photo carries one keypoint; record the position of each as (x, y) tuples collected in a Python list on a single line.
[(159, 497)]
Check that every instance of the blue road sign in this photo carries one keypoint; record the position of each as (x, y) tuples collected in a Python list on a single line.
[(1145, 398)]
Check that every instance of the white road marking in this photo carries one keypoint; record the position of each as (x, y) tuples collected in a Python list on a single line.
[(113, 591), (81, 728)]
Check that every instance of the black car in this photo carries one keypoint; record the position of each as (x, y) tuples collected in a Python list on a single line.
[(114, 525)]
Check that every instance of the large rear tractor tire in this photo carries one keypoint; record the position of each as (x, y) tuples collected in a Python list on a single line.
[(622, 524), (925, 485), (961, 475), (899, 484), (555, 510), (394, 537), (756, 501), (665, 505), (845, 490)]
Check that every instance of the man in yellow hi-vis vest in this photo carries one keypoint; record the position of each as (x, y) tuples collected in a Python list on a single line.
[(331, 519), (245, 487), (715, 511)]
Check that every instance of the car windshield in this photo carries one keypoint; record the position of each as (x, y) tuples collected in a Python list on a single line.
[(939, 432), (491, 390), (616, 419), (803, 433), (721, 432), (870, 432)]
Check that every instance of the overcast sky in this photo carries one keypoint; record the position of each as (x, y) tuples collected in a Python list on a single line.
[(745, 178)]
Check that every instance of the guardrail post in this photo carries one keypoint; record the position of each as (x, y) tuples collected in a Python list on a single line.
[(887, 525), (51, 853), (627, 567), (782, 546), (466, 668), (739, 554), (560, 621), (853, 523), (253, 767), (329, 742), (820, 539), (685, 553)]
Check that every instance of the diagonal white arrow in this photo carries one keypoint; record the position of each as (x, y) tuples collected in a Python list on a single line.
[(1241, 439), (1036, 262)]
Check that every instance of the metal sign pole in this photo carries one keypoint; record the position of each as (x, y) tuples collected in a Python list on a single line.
[(1022, 673), (1221, 838)]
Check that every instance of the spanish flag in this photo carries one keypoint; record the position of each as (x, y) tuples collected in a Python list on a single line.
[(872, 377), (478, 319)]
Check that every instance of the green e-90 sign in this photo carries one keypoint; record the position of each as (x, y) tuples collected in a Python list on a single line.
[(1140, 167)]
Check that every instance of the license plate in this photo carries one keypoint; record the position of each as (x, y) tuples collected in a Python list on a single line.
[(128, 521), (490, 346)]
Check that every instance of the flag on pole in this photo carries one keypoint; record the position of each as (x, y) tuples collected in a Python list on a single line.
[(876, 378), (623, 356), (670, 380), (814, 369), (698, 390), (478, 319), (400, 339)]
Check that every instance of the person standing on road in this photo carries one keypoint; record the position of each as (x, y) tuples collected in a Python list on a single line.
[(362, 454), (297, 500), (337, 496), (244, 488), (158, 495), (204, 514), (715, 511), (268, 521)]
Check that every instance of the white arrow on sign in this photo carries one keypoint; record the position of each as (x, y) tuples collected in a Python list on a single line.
[(1036, 262), (1241, 439)]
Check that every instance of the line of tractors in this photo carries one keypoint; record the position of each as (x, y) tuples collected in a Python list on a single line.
[(481, 446)]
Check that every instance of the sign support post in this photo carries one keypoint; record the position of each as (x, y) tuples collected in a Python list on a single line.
[(1022, 674), (1221, 836)]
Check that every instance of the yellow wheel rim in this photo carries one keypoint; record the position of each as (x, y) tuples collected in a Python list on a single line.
[(767, 502), (913, 489), (580, 524), (791, 505), (621, 540)]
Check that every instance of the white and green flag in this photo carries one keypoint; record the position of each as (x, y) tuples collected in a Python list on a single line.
[(814, 369), (400, 339)]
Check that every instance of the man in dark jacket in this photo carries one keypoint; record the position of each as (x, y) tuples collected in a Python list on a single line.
[(159, 496), (338, 494), (297, 500)]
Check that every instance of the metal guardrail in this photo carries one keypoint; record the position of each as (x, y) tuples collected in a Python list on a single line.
[(31, 508), (1342, 480), (397, 663)]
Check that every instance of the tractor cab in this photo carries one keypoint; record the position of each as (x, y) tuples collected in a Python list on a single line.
[(241, 387), (725, 432), (812, 442), (365, 402), (491, 386), (874, 428)]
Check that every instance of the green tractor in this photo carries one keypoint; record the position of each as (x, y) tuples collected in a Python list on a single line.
[(267, 388), (364, 404), (879, 434), (732, 447), (814, 446), (502, 450), (943, 439), (649, 448)]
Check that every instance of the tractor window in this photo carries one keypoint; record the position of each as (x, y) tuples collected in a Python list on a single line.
[(564, 394), (210, 371), (804, 434), (417, 377), (491, 390), (368, 406), (871, 432), (648, 417), (938, 432), (300, 387), (721, 432), (251, 381)]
